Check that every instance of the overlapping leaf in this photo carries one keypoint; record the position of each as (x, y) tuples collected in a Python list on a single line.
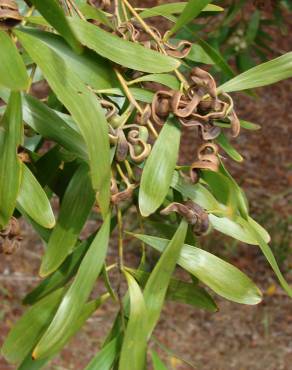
[(223, 278), (83, 106), (12, 69), (76, 296), (76, 206), (123, 52), (33, 200)]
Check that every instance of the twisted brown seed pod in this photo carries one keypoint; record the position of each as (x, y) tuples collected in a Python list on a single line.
[(183, 108), (123, 195), (207, 159), (8, 246), (122, 146), (180, 50), (203, 79), (110, 108), (12, 229), (9, 14), (139, 149), (192, 213), (161, 106)]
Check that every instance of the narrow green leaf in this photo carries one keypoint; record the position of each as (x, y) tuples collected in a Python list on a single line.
[(91, 12), (78, 293), (264, 74), (76, 206), (159, 168), (228, 148), (139, 94), (253, 26), (90, 68), (223, 278), (47, 123), (181, 291), (161, 78), (105, 357), (29, 328), (11, 136), (123, 52), (191, 11), (135, 338), (54, 14), (157, 284), (12, 69), (217, 58), (249, 125), (174, 8), (199, 55), (269, 256), (61, 276), (34, 201), (157, 363), (84, 107)]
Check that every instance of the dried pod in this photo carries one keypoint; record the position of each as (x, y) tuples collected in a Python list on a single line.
[(192, 213), (203, 79), (12, 229), (122, 146), (181, 50), (161, 106), (183, 108), (123, 195), (9, 14), (139, 148), (8, 246), (207, 159), (235, 124), (111, 109)]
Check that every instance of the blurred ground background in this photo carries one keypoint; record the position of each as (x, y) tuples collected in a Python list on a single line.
[(237, 337)]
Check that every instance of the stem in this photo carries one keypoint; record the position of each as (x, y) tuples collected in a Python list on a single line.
[(117, 12), (129, 170), (120, 263), (134, 101), (33, 69), (123, 176), (72, 2), (155, 38)]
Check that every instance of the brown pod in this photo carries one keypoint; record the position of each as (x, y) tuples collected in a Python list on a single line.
[(122, 146), (9, 14), (161, 106), (181, 50)]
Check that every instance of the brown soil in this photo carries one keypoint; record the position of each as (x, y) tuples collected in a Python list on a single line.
[(237, 337)]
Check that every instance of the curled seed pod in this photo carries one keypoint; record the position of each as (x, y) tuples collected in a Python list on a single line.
[(146, 115), (210, 132), (180, 50), (192, 213), (123, 195), (122, 146), (138, 146), (183, 108), (204, 79), (207, 159), (101, 4), (235, 124), (111, 109), (129, 32), (161, 106), (9, 14)]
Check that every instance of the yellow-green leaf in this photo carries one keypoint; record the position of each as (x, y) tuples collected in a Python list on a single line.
[(54, 14), (123, 52), (223, 278), (159, 168), (76, 296), (12, 69), (33, 200), (135, 338), (11, 133), (84, 107)]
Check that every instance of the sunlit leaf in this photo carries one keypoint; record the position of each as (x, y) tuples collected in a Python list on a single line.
[(264, 74), (87, 113), (159, 168), (12, 69), (228, 148), (161, 78), (11, 136), (54, 14), (123, 52), (135, 338), (76, 296), (34, 201), (223, 278)]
